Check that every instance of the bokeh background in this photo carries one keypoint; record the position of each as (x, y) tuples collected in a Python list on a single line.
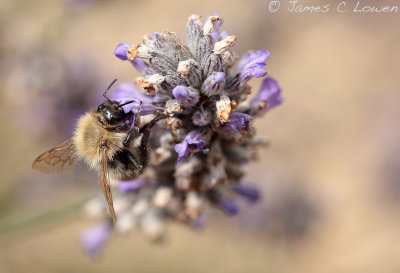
[(330, 180)]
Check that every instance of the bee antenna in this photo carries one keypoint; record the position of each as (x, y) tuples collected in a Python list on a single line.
[(108, 88), (128, 102)]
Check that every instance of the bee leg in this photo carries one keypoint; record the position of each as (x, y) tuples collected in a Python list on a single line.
[(146, 133), (143, 152), (134, 132), (134, 161), (136, 119)]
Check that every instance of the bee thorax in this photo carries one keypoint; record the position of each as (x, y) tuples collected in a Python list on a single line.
[(89, 136)]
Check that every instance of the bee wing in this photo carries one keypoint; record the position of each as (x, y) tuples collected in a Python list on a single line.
[(60, 159), (105, 185)]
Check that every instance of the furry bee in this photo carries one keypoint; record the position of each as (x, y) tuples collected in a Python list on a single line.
[(106, 141)]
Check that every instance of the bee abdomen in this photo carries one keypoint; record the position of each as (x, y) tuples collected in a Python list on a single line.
[(126, 166)]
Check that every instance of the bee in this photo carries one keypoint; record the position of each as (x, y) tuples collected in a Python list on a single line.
[(106, 141)]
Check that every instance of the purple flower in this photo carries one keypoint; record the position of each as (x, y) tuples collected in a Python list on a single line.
[(121, 51), (239, 122), (128, 186), (192, 143), (215, 33), (219, 77), (229, 206), (252, 65), (250, 193), (269, 94), (128, 92), (94, 239), (214, 84), (243, 61), (139, 64), (199, 144), (180, 92), (186, 96), (156, 35)]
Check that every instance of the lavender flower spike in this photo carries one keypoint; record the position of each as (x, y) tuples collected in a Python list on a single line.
[(203, 136), (253, 65), (192, 143)]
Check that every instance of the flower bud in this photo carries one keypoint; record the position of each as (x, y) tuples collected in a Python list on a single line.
[(186, 96), (190, 70), (214, 84), (212, 63), (172, 107), (225, 44), (201, 118), (211, 24), (225, 107), (121, 51)]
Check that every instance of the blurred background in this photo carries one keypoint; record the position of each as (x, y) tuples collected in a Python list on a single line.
[(330, 180)]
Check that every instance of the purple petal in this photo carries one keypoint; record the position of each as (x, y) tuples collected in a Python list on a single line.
[(121, 51), (192, 143), (215, 33), (257, 71), (128, 186), (219, 77), (229, 206), (250, 193), (180, 92), (194, 137), (139, 64), (182, 149), (252, 65), (243, 61), (259, 56), (270, 92), (146, 108), (156, 35), (195, 140), (239, 122), (128, 92), (94, 239), (186, 96)]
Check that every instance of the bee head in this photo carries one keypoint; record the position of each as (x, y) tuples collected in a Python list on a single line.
[(112, 112)]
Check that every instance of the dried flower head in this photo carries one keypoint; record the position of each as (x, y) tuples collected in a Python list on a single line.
[(199, 151)]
